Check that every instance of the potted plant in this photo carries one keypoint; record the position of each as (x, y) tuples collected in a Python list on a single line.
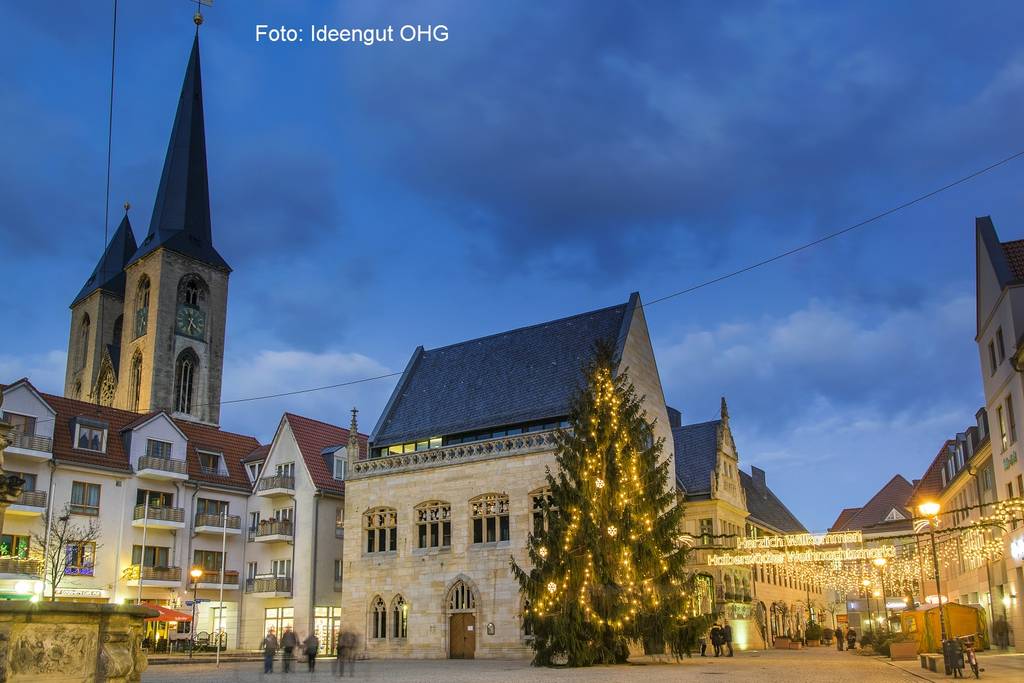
[(902, 647), (812, 634)]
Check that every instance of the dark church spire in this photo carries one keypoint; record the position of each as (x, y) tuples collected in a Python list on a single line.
[(181, 213), (109, 272)]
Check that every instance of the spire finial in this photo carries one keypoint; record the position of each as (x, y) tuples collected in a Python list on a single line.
[(127, 205), (725, 410), (353, 434)]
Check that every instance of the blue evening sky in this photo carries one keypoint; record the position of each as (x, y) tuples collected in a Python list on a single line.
[(548, 159)]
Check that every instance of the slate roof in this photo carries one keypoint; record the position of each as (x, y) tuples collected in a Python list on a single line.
[(930, 485), (200, 437), (843, 517), (109, 272), (313, 438), (765, 507), (181, 213), (258, 455), (895, 494), (696, 448), (522, 375)]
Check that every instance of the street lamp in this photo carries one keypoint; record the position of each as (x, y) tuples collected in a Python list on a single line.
[(196, 573), (930, 510), (880, 563), (867, 598)]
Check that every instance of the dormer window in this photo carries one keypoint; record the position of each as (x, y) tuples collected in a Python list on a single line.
[(340, 463), (90, 436), (211, 463), (254, 471)]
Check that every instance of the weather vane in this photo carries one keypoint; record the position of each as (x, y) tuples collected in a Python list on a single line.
[(198, 18)]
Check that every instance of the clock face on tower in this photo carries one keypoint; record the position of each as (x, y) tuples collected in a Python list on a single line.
[(191, 322)]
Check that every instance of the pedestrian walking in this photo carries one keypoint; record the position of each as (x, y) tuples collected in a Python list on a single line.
[(312, 647), (840, 638), (716, 639), (288, 643), (269, 647), (727, 637), (851, 639), (347, 644), (703, 646)]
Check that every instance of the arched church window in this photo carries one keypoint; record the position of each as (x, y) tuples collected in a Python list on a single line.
[(461, 598), (381, 525), (106, 386), (185, 371), (399, 618), (83, 342), (142, 307), (118, 324), (135, 382), (380, 619)]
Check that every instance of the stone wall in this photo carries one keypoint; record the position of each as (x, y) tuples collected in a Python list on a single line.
[(71, 642)]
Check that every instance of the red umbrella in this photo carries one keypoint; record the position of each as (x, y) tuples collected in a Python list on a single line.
[(167, 614)]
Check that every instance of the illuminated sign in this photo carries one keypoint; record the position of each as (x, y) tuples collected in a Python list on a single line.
[(1017, 549), (82, 592), (800, 540), (801, 556)]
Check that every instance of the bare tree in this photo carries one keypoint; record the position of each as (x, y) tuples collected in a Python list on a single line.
[(70, 549)]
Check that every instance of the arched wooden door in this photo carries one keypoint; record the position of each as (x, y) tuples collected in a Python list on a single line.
[(461, 622)]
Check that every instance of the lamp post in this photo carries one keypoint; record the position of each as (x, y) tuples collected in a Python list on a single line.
[(196, 573), (880, 563), (930, 510), (867, 599)]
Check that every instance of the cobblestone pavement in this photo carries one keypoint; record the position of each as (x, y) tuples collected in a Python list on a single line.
[(996, 666), (788, 666)]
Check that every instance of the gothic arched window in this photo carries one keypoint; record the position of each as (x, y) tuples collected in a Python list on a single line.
[(434, 524), (142, 307), (380, 619), (399, 618), (83, 342), (185, 371), (489, 514), (461, 598), (135, 382), (381, 526), (106, 386)]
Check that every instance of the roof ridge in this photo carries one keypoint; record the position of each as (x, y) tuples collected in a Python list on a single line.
[(697, 424), (528, 327), (313, 419)]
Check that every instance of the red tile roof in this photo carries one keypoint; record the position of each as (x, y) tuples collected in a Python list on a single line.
[(200, 437), (930, 484), (313, 436), (895, 494), (1015, 257)]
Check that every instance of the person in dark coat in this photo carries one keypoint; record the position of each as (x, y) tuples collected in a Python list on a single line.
[(269, 647), (727, 637), (716, 639), (312, 647), (288, 643), (839, 638), (851, 639)]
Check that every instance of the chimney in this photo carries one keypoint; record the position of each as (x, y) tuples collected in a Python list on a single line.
[(757, 474), (675, 418)]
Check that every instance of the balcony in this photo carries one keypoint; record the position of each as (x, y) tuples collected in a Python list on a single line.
[(30, 446), (211, 580), (278, 485), (163, 469), (28, 504), (16, 567), (158, 517), (271, 530), (157, 577), (214, 524), (269, 587)]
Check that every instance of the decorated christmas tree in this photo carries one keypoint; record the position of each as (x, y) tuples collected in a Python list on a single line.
[(607, 567)]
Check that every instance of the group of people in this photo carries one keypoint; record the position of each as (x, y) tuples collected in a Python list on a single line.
[(291, 649), (850, 638), (721, 639)]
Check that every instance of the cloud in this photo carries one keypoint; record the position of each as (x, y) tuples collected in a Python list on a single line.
[(264, 372), (844, 394), (45, 370)]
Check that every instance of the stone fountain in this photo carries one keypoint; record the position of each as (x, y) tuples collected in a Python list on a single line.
[(65, 641)]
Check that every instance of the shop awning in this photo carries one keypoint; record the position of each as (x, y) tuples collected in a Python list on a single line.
[(166, 613)]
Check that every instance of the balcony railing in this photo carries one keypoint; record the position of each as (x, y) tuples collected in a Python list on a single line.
[(159, 514), (233, 521), (31, 442), (278, 481), (151, 573), (35, 499), (17, 565), (152, 462), (213, 576), (269, 584), (271, 527)]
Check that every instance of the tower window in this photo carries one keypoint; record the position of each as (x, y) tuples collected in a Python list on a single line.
[(192, 293), (83, 342), (135, 383), (184, 379), (142, 307)]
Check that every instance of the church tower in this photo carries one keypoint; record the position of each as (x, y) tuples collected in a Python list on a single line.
[(173, 288)]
